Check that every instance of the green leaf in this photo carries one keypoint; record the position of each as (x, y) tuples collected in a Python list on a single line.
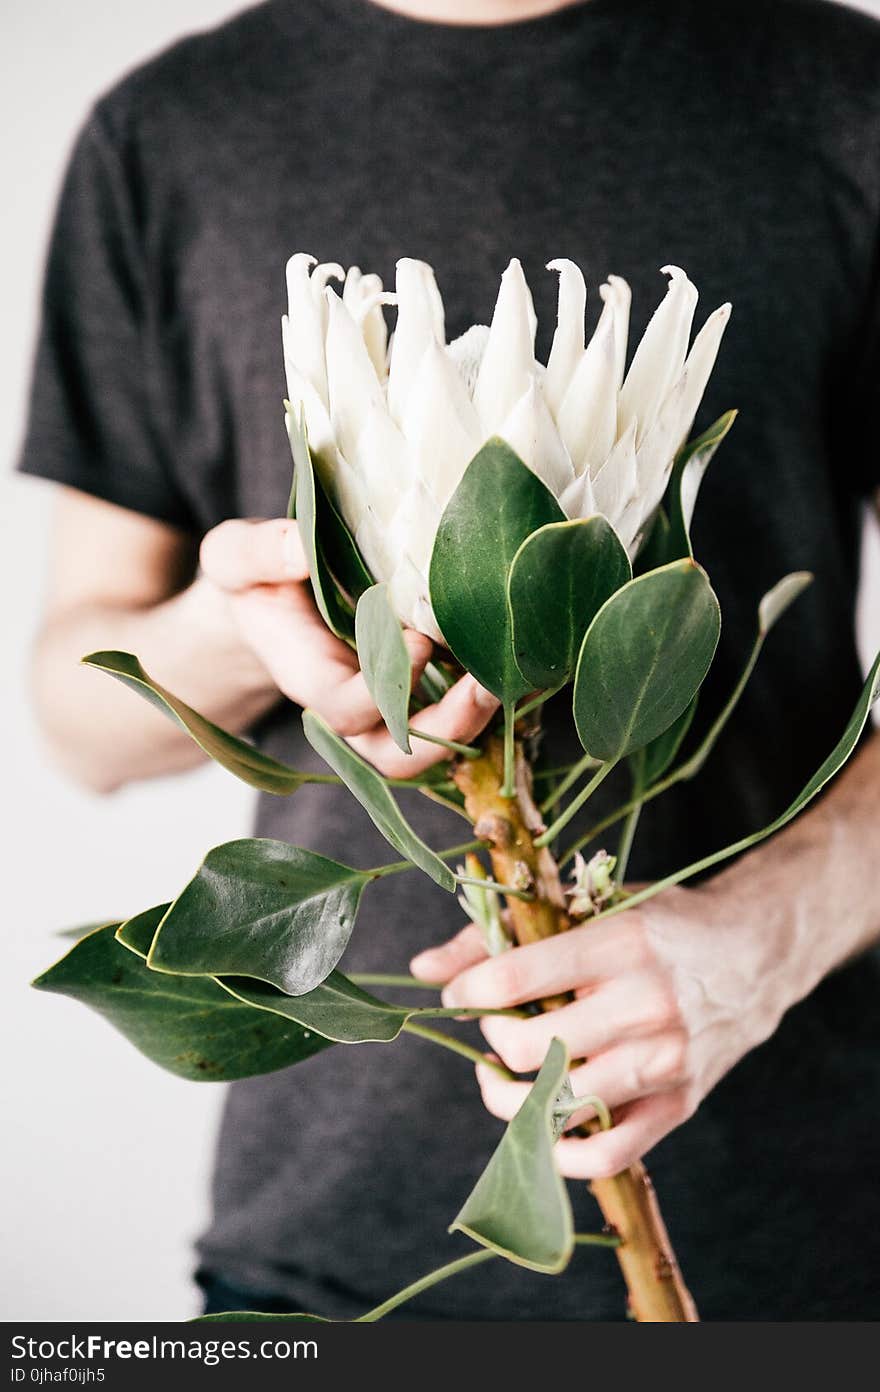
[(770, 610), (338, 1010), (247, 763), (384, 661), (670, 538), (254, 1317), (560, 578), (835, 761), (659, 754), (191, 1027), (520, 1206), (655, 551), (643, 659), (779, 598), (263, 909), (82, 929), (498, 503), (339, 548), (373, 794), (137, 933), (335, 612)]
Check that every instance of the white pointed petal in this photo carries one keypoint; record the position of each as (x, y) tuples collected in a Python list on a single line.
[(588, 414), (698, 369), (408, 592), (577, 500), (301, 394), (531, 431), (440, 424), (363, 296), (568, 340), (424, 621), (656, 455), (382, 462), (631, 529), (419, 324), (508, 364), (350, 495), (466, 352), (660, 356), (372, 542), (617, 298), (351, 378), (414, 526), (304, 345), (615, 484), (327, 270)]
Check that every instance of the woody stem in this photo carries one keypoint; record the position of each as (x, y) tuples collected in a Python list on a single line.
[(510, 827)]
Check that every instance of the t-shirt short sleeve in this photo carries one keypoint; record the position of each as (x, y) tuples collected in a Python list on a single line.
[(92, 422)]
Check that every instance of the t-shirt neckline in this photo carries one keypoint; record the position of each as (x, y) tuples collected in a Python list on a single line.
[(375, 18)]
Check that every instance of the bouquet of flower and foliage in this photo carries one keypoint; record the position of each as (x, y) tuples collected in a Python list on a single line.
[(534, 522)]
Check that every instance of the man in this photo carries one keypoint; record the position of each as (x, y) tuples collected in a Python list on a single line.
[(738, 140)]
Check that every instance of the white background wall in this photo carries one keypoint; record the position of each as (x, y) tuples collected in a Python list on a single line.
[(105, 1157)]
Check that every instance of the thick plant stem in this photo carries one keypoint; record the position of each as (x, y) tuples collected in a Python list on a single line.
[(657, 1292)]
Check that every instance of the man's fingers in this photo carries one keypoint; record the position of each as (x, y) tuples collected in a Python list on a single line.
[(583, 957), (637, 1130), (461, 714), (634, 1004), (237, 554), (622, 1074), (449, 958), (638, 1126)]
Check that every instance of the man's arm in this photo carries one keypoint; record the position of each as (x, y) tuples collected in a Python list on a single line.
[(230, 641), (673, 993)]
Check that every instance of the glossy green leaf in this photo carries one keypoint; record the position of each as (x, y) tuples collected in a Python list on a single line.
[(264, 909), (374, 795), (658, 755), (338, 1010), (520, 1206), (826, 771), (247, 763), (137, 933), (335, 612), (643, 659), (560, 578), (384, 661), (498, 503), (189, 1026), (670, 538), (770, 610)]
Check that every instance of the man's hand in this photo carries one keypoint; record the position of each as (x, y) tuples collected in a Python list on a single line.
[(668, 997), (261, 569)]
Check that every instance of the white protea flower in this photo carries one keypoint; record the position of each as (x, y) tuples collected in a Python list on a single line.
[(393, 431)]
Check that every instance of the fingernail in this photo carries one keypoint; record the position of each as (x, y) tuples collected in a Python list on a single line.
[(483, 698), (450, 997)]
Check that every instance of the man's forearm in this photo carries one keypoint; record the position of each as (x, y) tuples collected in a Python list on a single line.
[(103, 734), (816, 882)]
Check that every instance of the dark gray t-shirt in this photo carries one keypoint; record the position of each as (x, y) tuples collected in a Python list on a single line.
[(740, 140)]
